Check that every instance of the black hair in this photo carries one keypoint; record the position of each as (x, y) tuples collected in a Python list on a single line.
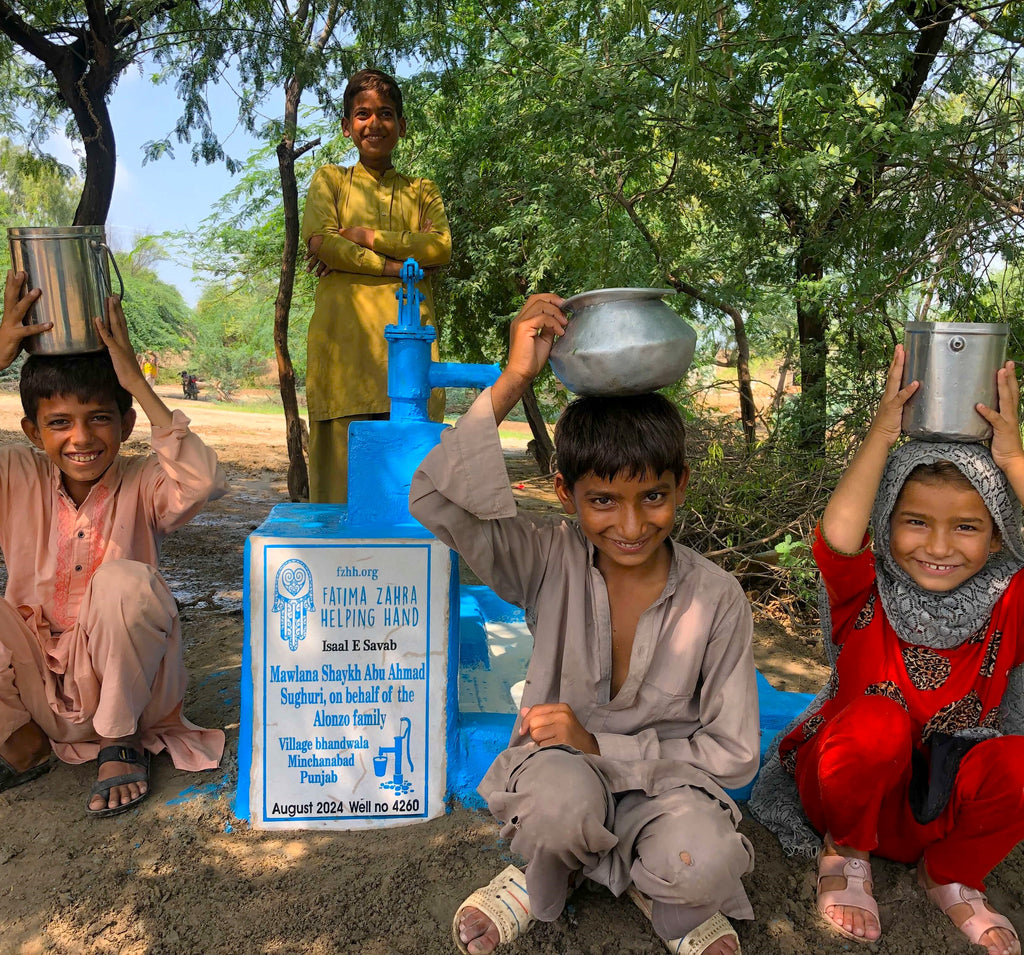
[(88, 377), (634, 436), (375, 80), (940, 472)]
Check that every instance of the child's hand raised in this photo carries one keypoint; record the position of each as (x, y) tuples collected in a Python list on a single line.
[(888, 420), (113, 332), (555, 724), (1007, 451), (12, 332), (532, 334)]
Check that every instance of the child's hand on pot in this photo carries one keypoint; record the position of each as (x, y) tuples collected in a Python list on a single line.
[(1007, 450), (888, 420), (12, 330), (113, 332)]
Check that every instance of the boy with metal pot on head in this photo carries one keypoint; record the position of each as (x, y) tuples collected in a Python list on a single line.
[(640, 705), (91, 662), (913, 751)]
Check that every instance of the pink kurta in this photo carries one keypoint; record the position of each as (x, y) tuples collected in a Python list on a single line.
[(53, 605)]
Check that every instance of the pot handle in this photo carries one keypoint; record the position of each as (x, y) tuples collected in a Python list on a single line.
[(120, 281)]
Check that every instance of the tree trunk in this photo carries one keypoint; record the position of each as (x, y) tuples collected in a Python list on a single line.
[(93, 119), (812, 326), (748, 410), (780, 387), (298, 475), (543, 449), (85, 72)]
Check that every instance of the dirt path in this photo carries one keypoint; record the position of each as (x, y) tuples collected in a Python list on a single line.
[(181, 875)]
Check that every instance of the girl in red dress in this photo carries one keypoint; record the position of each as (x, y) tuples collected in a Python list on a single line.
[(913, 751)]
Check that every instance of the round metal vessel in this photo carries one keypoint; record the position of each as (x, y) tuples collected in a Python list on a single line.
[(956, 363), (622, 341), (69, 264)]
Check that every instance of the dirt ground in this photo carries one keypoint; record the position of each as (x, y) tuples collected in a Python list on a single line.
[(182, 875)]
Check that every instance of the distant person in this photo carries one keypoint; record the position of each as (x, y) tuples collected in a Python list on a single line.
[(913, 751), (149, 368), (90, 642), (360, 224), (189, 385), (640, 706)]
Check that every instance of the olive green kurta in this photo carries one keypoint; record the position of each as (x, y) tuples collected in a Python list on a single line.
[(346, 364)]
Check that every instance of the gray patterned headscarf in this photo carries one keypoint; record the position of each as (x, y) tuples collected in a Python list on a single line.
[(943, 621), (936, 620)]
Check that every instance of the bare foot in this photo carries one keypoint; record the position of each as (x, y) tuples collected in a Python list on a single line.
[(26, 747), (119, 795), (477, 932), (998, 941), (850, 918)]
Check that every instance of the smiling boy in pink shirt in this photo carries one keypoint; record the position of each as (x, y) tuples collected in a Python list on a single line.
[(90, 642)]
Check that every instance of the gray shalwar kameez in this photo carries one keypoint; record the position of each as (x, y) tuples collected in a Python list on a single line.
[(651, 809)]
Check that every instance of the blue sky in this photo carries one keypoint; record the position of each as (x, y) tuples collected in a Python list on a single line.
[(171, 193)]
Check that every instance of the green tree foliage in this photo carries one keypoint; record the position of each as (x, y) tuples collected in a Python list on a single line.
[(35, 190), (233, 335), (158, 317), (809, 175), (838, 158), (66, 58)]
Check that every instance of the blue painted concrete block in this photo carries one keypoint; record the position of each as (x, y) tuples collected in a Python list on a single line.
[(481, 736), (472, 633), (378, 492)]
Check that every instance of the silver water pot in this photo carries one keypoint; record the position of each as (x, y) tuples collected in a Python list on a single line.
[(69, 264), (622, 341), (956, 363)]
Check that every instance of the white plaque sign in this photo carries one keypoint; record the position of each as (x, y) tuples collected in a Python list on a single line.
[(350, 681)]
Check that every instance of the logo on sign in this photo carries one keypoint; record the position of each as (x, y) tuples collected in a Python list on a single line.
[(293, 599)]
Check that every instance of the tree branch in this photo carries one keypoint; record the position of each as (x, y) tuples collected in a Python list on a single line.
[(29, 38), (300, 150)]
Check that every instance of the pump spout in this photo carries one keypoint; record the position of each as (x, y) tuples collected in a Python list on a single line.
[(444, 374)]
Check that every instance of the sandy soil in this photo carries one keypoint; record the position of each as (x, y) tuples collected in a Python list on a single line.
[(182, 875)]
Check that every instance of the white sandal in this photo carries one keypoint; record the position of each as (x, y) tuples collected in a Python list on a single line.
[(505, 902), (696, 941)]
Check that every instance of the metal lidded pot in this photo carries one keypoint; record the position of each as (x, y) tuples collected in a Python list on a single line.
[(956, 364), (69, 264), (622, 341)]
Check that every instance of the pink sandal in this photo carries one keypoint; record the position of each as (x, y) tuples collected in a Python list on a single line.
[(856, 872), (982, 918)]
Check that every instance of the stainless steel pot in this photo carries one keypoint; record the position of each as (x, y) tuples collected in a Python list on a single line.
[(69, 264), (956, 363), (622, 341)]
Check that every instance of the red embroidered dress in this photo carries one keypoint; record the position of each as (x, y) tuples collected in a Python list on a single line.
[(941, 690)]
